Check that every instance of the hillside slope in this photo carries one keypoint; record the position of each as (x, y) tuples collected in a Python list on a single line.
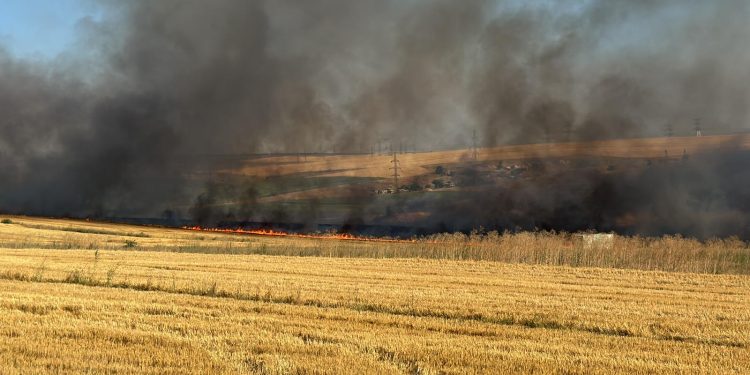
[(414, 164)]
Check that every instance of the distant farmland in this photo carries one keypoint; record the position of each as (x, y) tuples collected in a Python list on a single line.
[(340, 189), (90, 297), (415, 164)]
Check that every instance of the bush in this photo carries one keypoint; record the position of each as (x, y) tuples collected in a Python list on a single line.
[(440, 171), (77, 276), (7, 221), (129, 244), (438, 184), (414, 187)]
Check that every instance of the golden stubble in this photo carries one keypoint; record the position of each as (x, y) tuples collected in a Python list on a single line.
[(115, 309)]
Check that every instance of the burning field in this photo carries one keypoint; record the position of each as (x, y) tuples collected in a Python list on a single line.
[(602, 186), (306, 117), (374, 186)]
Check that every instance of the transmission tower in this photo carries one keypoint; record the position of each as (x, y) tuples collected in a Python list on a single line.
[(698, 131), (474, 145), (395, 168), (669, 130)]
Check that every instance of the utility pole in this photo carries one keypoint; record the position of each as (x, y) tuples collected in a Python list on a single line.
[(669, 130), (320, 137), (395, 168), (474, 144)]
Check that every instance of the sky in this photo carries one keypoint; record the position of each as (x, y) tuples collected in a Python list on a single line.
[(41, 28)]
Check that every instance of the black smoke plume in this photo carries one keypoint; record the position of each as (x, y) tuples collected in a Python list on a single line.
[(702, 196), (113, 126)]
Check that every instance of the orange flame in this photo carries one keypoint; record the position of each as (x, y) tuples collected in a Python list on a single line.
[(274, 233)]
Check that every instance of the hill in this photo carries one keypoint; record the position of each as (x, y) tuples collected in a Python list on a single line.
[(415, 164), (548, 186)]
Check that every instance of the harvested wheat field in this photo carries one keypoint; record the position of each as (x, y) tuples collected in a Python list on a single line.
[(103, 298)]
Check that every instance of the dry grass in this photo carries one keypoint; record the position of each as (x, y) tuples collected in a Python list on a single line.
[(109, 310), (721, 256)]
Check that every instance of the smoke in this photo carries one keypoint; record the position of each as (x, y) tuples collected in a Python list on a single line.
[(700, 196), (108, 127)]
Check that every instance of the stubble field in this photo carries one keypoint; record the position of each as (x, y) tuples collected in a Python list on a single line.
[(102, 298)]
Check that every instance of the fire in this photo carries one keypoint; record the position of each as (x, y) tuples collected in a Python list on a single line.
[(275, 233)]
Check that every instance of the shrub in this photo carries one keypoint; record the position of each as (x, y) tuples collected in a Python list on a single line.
[(129, 244), (440, 170), (7, 221), (111, 275), (77, 276), (414, 186)]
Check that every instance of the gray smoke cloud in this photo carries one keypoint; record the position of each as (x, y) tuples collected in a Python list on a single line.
[(106, 128)]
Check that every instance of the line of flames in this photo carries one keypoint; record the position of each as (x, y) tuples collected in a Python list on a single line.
[(275, 233)]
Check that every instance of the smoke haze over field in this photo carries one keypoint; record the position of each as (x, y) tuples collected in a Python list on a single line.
[(99, 129)]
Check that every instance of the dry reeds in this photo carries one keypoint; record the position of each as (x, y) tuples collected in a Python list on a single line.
[(668, 253)]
